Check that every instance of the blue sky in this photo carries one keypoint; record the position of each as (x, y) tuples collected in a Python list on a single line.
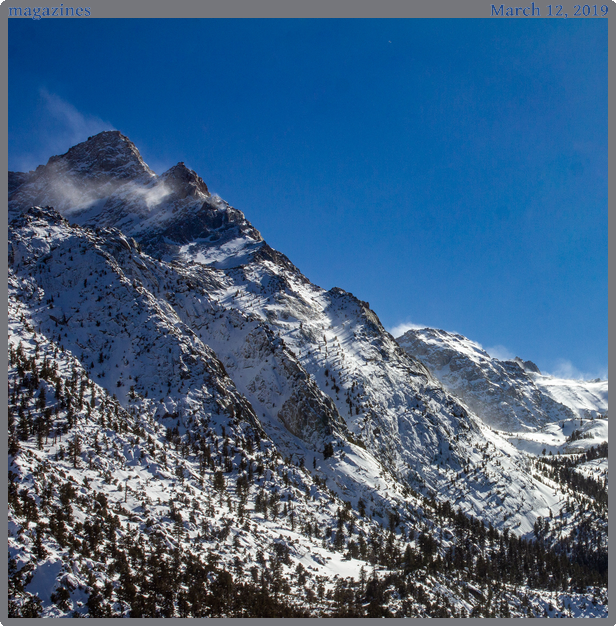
[(453, 173)]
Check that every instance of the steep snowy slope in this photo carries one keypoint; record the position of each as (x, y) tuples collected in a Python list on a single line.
[(127, 316), (98, 494), (586, 398), (505, 394), (91, 305), (113, 302), (113, 515)]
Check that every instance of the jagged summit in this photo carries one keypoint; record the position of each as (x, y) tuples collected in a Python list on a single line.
[(184, 181), (527, 366), (104, 182), (81, 177), (105, 155), (109, 153)]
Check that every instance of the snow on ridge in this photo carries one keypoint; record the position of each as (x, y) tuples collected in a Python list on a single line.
[(504, 394), (585, 397)]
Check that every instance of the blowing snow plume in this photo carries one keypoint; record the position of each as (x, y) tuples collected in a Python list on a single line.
[(400, 329), (104, 171), (61, 126)]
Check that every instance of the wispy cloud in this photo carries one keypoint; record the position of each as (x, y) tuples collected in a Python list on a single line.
[(400, 329), (76, 126), (153, 196), (68, 197), (500, 352), (60, 125), (564, 368)]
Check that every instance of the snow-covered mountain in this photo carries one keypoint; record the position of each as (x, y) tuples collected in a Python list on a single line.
[(386, 401), (508, 395), (105, 183), (167, 303)]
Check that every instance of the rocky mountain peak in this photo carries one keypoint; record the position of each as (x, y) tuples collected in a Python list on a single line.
[(184, 181), (106, 154), (501, 393), (527, 366), (82, 176)]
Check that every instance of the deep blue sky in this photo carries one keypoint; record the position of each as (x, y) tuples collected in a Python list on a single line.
[(451, 172)]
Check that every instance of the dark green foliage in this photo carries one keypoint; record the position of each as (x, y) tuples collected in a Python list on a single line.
[(161, 574), (562, 470), (21, 603)]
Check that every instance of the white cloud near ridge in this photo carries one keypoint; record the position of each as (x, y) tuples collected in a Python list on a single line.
[(565, 369), (60, 126), (500, 352), (400, 329)]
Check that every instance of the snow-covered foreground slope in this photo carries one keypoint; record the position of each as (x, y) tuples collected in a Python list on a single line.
[(186, 319), (111, 513), (133, 488)]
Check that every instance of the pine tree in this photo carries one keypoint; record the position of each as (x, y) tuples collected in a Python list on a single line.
[(75, 450)]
